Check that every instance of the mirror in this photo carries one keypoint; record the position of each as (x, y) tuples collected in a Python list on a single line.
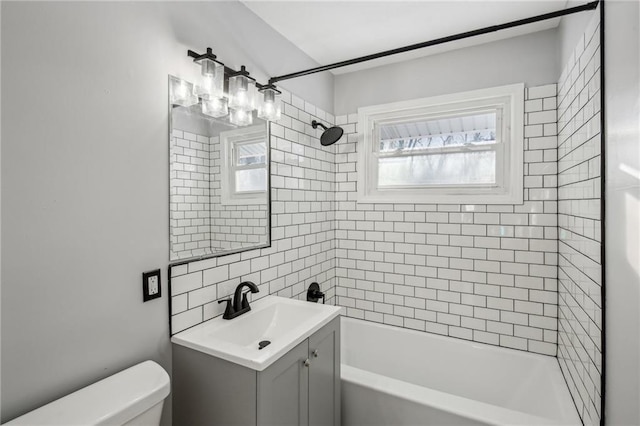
[(219, 199)]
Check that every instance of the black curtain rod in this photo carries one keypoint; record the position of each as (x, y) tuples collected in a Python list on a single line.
[(460, 36)]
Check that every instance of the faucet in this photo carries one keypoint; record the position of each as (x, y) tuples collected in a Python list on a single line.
[(239, 305)]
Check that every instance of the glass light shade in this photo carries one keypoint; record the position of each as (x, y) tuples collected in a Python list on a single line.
[(240, 117), (271, 106), (215, 107), (182, 93), (212, 79), (242, 93)]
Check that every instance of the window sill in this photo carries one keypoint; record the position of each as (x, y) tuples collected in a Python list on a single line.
[(433, 197), (243, 201)]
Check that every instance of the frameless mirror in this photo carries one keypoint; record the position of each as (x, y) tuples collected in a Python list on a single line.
[(218, 178)]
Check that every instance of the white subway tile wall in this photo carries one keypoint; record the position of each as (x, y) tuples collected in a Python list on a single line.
[(486, 273), (189, 196), (579, 222), (303, 235), (233, 226)]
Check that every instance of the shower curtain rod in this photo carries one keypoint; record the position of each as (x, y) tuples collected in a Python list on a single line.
[(459, 36)]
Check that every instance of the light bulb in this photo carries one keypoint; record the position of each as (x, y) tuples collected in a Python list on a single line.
[(271, 106), (240, 117), (182, 93), (212, 78), (242, 93), (216, 107)]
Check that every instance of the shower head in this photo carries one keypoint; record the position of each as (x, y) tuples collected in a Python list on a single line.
[(330, 134)]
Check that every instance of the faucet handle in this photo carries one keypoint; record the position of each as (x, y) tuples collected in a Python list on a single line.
[(245, 302), (228, 311)]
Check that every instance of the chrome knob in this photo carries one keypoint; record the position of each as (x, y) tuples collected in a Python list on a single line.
[(315, 353), (307, 362)]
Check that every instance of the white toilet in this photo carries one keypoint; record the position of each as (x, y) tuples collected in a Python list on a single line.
[(131, 397)]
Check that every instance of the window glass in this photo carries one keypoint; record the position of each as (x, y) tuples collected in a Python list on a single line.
[(251, 153), (461, 168), (430, 134), (251, 180), (457, 150)]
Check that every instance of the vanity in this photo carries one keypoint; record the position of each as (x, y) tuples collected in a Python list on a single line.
[(278, 364)]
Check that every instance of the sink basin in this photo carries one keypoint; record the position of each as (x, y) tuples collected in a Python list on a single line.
[(283, 322)]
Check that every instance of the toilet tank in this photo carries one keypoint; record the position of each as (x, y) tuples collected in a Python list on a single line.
[(136, 393)]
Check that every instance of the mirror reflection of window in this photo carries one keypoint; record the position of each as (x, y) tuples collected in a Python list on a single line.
[(245, 159), (249, 166)]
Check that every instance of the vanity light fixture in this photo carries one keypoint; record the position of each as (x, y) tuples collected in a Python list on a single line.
[(224, 91)]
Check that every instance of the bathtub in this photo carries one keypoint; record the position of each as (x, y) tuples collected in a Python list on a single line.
[(395, 376)]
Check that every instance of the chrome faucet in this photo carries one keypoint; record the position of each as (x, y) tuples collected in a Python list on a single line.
[(239, 305)]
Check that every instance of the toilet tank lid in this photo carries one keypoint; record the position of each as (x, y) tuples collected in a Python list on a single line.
[(114, 400)]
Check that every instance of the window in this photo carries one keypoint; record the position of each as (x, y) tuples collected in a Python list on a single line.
[(462, 148), (244, 166)]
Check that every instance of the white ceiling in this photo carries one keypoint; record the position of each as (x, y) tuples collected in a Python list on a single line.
[(333, 31)]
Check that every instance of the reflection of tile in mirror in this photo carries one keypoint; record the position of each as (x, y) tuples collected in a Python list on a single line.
[(201, 225)]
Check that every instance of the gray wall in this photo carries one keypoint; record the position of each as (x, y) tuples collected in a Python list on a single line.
[(0, 218), (531, 59), (622, 112), (85, 177)]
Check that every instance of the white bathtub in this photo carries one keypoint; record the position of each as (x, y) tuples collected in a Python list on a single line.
[(395, 376)]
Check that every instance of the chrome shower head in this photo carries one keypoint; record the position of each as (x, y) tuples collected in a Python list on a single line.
[(330, 134)]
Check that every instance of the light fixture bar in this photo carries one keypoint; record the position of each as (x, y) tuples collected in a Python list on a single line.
[(459, 36), (228, 72), (197, 56)]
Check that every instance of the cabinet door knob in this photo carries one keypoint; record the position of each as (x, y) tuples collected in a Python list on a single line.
[(307, 362), (315, 353)]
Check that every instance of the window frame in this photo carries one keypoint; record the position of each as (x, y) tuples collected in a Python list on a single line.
[(507, 100), (229, 141)]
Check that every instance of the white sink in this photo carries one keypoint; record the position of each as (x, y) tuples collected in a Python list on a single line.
[(282, 321)]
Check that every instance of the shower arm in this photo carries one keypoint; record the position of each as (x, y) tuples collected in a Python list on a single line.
[(315, 124), (434, 42)]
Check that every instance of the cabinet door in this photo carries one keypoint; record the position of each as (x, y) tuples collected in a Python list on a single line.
[(324, 376), (283, 390)]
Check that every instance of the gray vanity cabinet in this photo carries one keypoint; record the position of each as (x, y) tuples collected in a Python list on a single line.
[(283, 389), (301, 388), (324, 376)]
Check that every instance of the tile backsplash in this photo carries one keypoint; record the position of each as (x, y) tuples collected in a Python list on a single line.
[(579, 221)]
